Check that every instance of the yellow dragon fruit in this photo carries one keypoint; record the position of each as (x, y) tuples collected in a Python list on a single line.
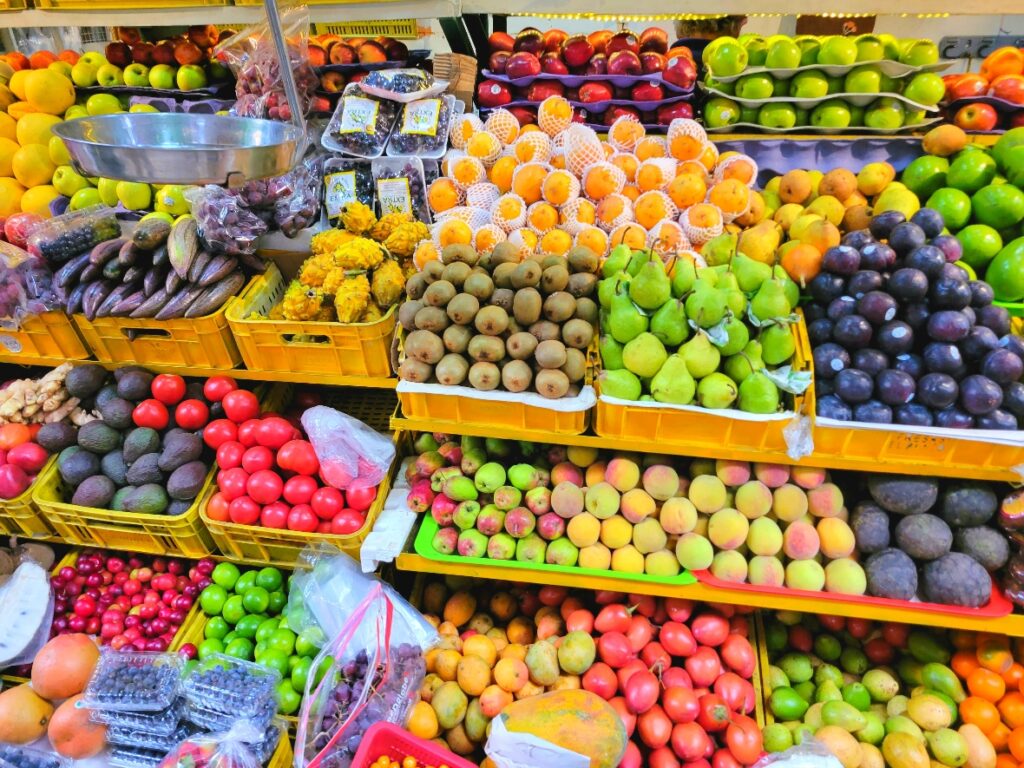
[(388, 283), (351, 298), (315, 269), (358, 217), (301, 302), (402, 241)]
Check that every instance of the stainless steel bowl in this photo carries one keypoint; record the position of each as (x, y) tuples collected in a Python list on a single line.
[(179, 148)]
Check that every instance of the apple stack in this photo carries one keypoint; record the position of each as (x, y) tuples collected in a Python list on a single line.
[(603, 75), (340, 61), (991, 98)]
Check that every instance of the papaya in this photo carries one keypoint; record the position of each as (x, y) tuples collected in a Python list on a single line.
[(929, 712), (940, 678), (23, 715), (577, 720)]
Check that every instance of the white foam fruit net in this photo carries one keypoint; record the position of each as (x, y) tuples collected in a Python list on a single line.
[(682, 126), (723, 167), (463, 127), (619, 159), (554, 115), (533, 147), (491, 234), (695, 234), (440, 182), (466, 171), (502, 124), (533, 217), (523, 239), (560, 187), (625, 132), (582, 148), (667, 237), (482, 195), (570, 215), (609, 180), (475, 217), (655, 173), (614, 211), (484, 146), (659, 201), (510, 223)]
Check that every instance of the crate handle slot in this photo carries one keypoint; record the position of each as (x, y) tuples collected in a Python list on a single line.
[(308, 340), (134, 334)]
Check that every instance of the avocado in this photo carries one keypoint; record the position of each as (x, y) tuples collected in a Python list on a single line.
[(149, 499), (98, 437), (180, 449), (135, 385), (187, 480), (117, 503), (178, 507), (109, 392), (96, 491), (117, 412), (75, 465), (113, 467), (139, 442), (126, 369), (85, 380), (56, 437), (145, 470)]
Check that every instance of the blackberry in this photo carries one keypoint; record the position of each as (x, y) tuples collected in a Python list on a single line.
[(129, 737), (134, 757), (139, 682), (62, 238), (231, 686), (155, 723)]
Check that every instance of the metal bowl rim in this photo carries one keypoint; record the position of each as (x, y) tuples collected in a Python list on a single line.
[(288, 129)]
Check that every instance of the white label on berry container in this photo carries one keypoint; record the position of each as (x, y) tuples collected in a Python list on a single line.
[(422, 117), (394, 195), (359, 115), (340, 191), (10, 343)]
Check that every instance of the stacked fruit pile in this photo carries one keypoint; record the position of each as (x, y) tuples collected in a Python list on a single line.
[(836, 82), (340, 61), (981, 101)]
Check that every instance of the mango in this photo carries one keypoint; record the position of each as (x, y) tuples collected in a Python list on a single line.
[(942, 679), (929, 712), (948, 747), (880, 685), (903, 724), (871, 756), (980, 752), (901, 750), (926, 648), (841, 744), (846, 716), (873, 731)]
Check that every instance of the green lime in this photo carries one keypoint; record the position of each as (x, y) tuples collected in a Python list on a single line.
[(240, 648), (275, 660), (190, 666), (953, 205), (278, 600), (212, 599), (233, 610), (282, 640), (827, 647), (288, 700), (776, 637), (998, 205), (266, 629), (225, 575), (776, 737), (216, 628), (971, 171), (308, 642), (209, 646), (786, 704), (245, 581), (1006, 272), (230, 637), (854, 661), (980, 243), (805, 691), (293, 661), (256, 599), (324, 668), (269, 578), (261, 648), (857, 695), (247, 625), (926, 175), (826, 672), (300, 672)]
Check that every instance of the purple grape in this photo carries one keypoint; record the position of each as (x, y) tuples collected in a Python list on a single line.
[(948, 325), (858, 238), (873, 412), (895, 337), (831, 407), (824, 387), (930, 221), (971, 315), (864, 281), (841, 307), (829, 359), (820, 331), (926, 258), (998, 419), (882, 224), (943, 358), (950, 246), (916, 315), (913, 414), (908, 285), (910, 364), (852, 331), (871, 361), (1013, 343), (814, 311), (894, 387), (949, 294), (877, 306), (981, 293), (953, 418), (825, 287), (1002, 366), (980, 395), (853, 386), (905, 237), (937, 390), (996, 318), (841, 260), (877, 256), (1013, 398)]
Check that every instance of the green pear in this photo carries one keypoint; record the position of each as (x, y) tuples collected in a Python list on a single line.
[(827, 691), (621, 384), (720, 249), (749, 273), (705, 305), (684, 275), (708, 274), (673, 383), (611, 353), (650, 288), (606, 288), (770, 301), (777, 343), (741, 365), (791, 288), (669, 323), (625, 321), (701, 356), (738, 336), (758, 394), (617, 260), (734, 298), (644, 355), (636, 261), (716, 391)]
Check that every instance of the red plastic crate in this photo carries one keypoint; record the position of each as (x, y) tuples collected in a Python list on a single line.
[(397, 743)]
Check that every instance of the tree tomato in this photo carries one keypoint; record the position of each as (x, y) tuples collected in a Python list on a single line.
[(217, 508), (613, 618), (168, 388), (738, 655), (714, 712), (736, 692), (299, 489), (639, 633), (645, 605), (324, 526), (274, 431), (627, 670), (654, 727), (306, 398), (229, 454), (662, 757), (275, 515), (220, 431), (680, 704), (216, 387), (655, 657), (723, 758), (679, 609), (327, 502), (743, 738), (676, 677), (628, 719), (710, 629), (632, 758), (299, 457), (689, 741), (264, 486), (361, 498), (301, 518), (677, 639), (232, 482), (150, 413), (614, 650), (600, 679), (641, 691), (256, 458), (704, 667), (244, 511), (247, 432), (240, 405), (347, 521)]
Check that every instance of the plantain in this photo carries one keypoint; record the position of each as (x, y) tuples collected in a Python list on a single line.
[(71, 271), (213, 298), (105, 251), (91, 273), (179, 303), (253, 262), (134, 274), (151, 234), (113, 270), (219, 268), (129, 254), (183, 245), (128, 304), (113, 297), (173, 282), (91, 307), (153, 280), (204, 258), (74, 302), (160, 256), (151, 305)]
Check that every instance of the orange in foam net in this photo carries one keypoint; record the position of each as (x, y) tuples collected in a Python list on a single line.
[(501, 172), (425, 251), (733, 165), (576, 214), (732, 196), (652, 207), (502, 124), (556, 241), (705, 216), (467, 171), (612, 211), (560, 187), (667, 237), (533, 147), (625, 132), (554, 115), (650, 146), (687, 189), (464, 127), (685, 146), (442, 194), (527, 181), (709, 157), (524, 239), (484, 146), (625, 162), (454, 232), (541, 217), (655, 173), (602, 179), (593, 238), (487, 237), (632, 191), (510, 210), (630, 234)]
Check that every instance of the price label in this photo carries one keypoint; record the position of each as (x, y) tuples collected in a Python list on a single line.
[(394, 196), (10, 343), (359, 115), (918, 443), (421, 117), (340, 190), (976, 46)]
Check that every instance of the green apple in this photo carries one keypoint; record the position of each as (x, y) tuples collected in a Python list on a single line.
[(103, 104), (75, 111), (809, 46), (136, 75), (888, 84), (777, 116), (925, 88), (95, 58), (84, 198), (108, 191), (754, 87), (134, 195), (866, 78), (58, 152), (809, 84), (919, 53), (162, 76), (218, 72), (171, 199), (783, 54), (913, 116), (190, 77), (885, 113), (60, 66), (718, 113), (856, 114), (971, 170), (109, 75), (925, 175), (870, 48), (801, 116), (83, 74), (838, 50), (892, 45), (833, 113), (159, 215), (67, 180), (722, 87), (748, 115), (757, 49), (835, 83), (782, 87), (136, 108), (727, 58)]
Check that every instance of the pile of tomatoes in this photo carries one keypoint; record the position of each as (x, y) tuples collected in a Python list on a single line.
[(269, 473)]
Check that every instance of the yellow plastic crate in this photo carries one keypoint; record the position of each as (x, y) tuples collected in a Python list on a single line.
[(51, 334), (122, 5), (700, 431), (21, 517), (282, 757), (181, 535), (13, 5), (202, 342), (357, 349)]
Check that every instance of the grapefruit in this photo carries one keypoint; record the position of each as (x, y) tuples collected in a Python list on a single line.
[(37, 200), (998, 205), (49, 91), (953, 205), (72, 732), (10, 196), (926, 175), (64, 665), (32, 166), (23, 715), (980, 243), (34, 128)]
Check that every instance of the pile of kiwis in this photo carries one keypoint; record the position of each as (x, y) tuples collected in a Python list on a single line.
[(500, 321)]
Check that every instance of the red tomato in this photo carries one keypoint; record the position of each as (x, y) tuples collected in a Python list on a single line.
[(655, 657), (192, 414), (274, 432), (663, 757), (168, 388), (244, 511), (247, 432), (256, 458), (738, 625), (632, 758), (735, 692), (714, 713), (600, 679), (679, 609), (612, 618), (579, 620), (347, 521), (743, 738), (690, 741), (323, 527), (677, 639), (275, 515), (150, 413), (220, 431), (217, 508), (299, 489), (676, 677), (240, 405), (614, 650), (229, 454), (301, 518), (361, 498), (738, 655), (832, 623), (217, 386), (641, 691), (704, 667), (639, 633), (654, 727), (551, 595), (710, 629), (629, 669), (680, 704), (327, 502), (859, 628), (264, 486), (298, 456), (723, 759), (232, 482), (628, 718)]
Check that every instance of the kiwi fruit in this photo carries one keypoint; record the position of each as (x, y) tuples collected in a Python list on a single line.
[(432, 319), (451, 370), (554, 278), (432, 270), (582, 284), (456, 338), (516, 376), (439, 293), (575, 366), (513, 326), (502, 274), (582, 259), (550, 354), (552, 384), (489, 349), (485, 376), (459, 252), (521, 345), (407, 313), (479, 284), (525, 275), (414, 370), (526, 306), (578, 333), (504, 298), (553, 260), (504, 253), (558, 307), (424, 346), (456, 273), (463, 308), (491, 321), (544, 330), (586, 309), (416, 286)]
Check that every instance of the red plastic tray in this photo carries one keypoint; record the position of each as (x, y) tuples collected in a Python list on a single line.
[(397, 743), (997, 607)]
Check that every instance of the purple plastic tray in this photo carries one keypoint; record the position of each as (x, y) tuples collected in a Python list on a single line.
[(599, 107), (1001, 105), (574, 81), (219, 89), (170, 104)]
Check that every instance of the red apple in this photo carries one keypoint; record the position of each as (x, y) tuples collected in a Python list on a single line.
[(680, 71), (622, 41), (119, 54), (624, 63), (679, 50), (572, 94), (397, 50), (530, 40), (598, 65), (591, 92), (204, 35), (621, 93), (600, 39), (648, 91), (1017, 119), (525, 115), (501, 41), (654, 39), (616, 111), (977, 117), (187, 53), (580, 116), (648, 117), (967, 86), (163, 53), (492, 94), (317, 55), (1010, 88), (541, 89), (522, 64), (498, 61), (342, 53), (577, 51), (652, 61), (553, 39), (669, 112), (130, 35), (552, 64), (142, 53)]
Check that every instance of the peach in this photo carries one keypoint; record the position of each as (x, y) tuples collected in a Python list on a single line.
[(789, 503), (616, 532), (800, 541), (805, 574), (694, 552), (637, 505), (846, 577), (622, 473), (729, 566), (766, 571), (707, 493), (808, 477), (825, 501), (728, 529), (580, 456), (732, 473), (754, 499), (649, 536), (567, 499), (602, 500), (583, 530), (764, 537), (772, 475), (566, 472), (597, 557), (661, 563), (627, 560), (661, 481), (678, 516), (594, 473), (494, 699), (837, 539)]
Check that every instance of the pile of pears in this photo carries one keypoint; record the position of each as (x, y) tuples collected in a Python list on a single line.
[(683, 333)]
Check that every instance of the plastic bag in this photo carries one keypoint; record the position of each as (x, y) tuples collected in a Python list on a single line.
[(26, 287), (225, 224), (234, 749), (402, 85), (375, 670), (351, 454), (810, 754), (28, 596), (297, 195)]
